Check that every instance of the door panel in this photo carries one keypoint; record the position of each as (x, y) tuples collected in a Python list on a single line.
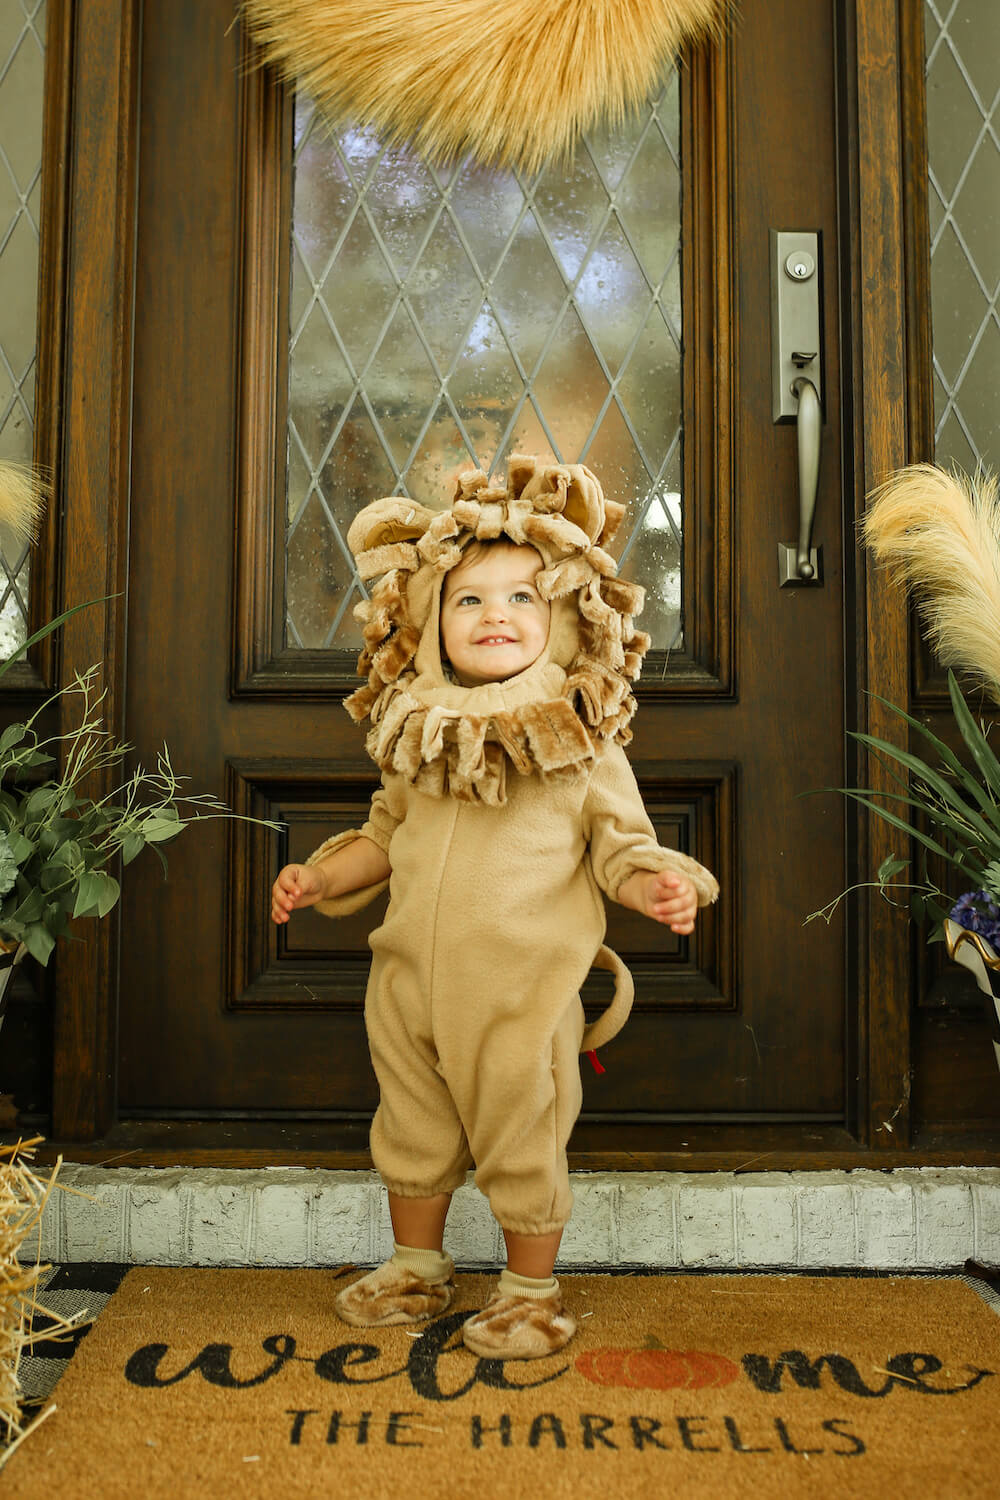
[(220, 1013)]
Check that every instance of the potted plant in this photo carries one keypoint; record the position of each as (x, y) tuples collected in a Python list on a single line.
[(58, 847), (939, 533)]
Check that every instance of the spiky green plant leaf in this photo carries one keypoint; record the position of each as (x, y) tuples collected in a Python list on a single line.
[(986, 762), (52, 625), (971, 870), (943, 788), (990, 805)]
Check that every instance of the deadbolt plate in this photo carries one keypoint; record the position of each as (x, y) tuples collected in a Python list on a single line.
[(795, 318)]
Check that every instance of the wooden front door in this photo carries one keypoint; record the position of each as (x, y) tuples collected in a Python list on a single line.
[(249, 452)]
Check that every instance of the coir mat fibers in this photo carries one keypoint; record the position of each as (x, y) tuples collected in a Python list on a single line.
[(244, 1382)]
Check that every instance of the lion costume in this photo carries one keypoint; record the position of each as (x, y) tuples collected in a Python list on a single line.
[(505, 810)]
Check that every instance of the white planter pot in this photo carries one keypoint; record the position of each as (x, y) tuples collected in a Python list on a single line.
[(973, 952), (9, 959)]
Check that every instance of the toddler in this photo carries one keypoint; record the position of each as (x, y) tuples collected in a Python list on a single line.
[(499, 652)]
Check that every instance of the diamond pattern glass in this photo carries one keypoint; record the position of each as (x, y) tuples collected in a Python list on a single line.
[(445, 318), (22, 73), (963, 89)]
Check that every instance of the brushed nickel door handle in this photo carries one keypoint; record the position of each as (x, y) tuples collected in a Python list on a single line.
[(797, 385), (808, 428)]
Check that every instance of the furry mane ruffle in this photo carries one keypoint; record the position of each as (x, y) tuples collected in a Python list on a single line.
[(561, 511)]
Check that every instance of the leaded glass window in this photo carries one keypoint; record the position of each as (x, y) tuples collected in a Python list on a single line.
[(963, 89), (446, 318), (22, 71)]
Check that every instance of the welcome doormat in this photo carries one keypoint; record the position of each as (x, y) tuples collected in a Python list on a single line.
[(202, 1382)]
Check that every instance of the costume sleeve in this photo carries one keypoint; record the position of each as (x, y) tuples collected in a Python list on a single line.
[(622, 840), (388, 806)]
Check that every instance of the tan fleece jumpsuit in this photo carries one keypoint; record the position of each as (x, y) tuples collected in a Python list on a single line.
[(473, 1010)]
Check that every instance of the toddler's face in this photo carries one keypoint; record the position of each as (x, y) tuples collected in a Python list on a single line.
[(494, 622)]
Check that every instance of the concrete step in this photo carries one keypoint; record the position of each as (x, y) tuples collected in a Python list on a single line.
[(909, 1219)]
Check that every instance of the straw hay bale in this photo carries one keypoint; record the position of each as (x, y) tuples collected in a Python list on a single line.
[(23, 1196)]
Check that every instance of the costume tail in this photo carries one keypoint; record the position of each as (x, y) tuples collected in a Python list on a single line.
[(613, 1018), (940, 536)]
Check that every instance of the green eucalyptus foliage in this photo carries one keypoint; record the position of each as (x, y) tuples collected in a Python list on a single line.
[(57, 846)]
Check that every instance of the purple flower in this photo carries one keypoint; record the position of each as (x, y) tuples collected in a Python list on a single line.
[(977, 911)]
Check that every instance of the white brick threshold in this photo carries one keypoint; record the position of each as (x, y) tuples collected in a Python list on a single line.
[(921, 1218)]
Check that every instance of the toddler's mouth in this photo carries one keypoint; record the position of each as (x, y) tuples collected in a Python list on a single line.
[(496, 640)]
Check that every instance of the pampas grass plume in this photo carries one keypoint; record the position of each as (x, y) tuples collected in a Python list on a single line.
[(22, 496), (514, 81), (939, 534)]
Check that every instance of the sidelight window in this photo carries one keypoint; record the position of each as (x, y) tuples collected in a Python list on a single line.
[(963, 141), (22, 73)]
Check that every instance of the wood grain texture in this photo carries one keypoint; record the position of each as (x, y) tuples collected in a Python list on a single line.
[(343, 1144), (262, 383), (94, 490), (880, 396), (705, 666)]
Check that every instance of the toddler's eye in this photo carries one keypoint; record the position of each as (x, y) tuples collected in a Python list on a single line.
[(523, 597), (468, 599)]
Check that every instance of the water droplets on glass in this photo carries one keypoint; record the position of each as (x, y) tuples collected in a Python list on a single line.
[(612, 296), (357, 468), (571, 388), (443, 454), (527, 292), (402, 383), (447, 318), (322, 576), (652, 380), (319, 384), (486, 205)]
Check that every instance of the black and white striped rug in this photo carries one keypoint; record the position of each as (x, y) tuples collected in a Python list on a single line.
[(82, 1290)]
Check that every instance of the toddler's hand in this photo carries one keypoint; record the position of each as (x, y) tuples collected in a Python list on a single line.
[(296, 885), (672, 899)]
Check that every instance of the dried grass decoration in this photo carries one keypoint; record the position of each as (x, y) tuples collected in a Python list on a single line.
[(939, 536), (513, 81), (23, 1197)]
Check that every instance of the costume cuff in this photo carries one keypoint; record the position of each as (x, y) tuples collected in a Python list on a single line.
[(652, 860), (350, 901)]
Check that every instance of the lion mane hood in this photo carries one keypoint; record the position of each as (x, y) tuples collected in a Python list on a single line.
[(449, 740)]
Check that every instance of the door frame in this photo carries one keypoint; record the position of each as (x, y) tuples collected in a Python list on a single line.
[(85, 357)]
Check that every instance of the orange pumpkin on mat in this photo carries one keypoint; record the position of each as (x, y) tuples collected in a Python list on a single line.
[(656, 1369)]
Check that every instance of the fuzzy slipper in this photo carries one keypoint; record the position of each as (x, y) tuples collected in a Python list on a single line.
[(392, 1294), (519, 1327)]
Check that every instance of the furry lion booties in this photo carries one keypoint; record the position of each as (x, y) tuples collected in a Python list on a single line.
[(452, 741)]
